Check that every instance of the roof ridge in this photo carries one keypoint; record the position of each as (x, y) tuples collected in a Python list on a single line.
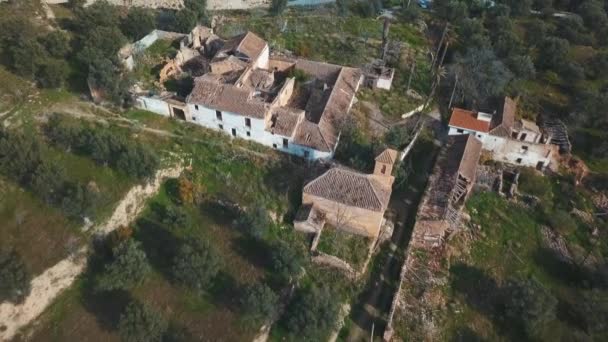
[(373, 183)]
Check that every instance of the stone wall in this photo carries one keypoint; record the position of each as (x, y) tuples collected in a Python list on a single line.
[(352, 219)]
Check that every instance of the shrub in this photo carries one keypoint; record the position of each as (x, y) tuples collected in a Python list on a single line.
[(138, 23), (397, 137), (139, 323), (312, 314), (562, 221), (481, 74), (530, 305), (175, 217), (531, 183), (278, 6), (287, 262), (260, 304), (52, 73), (256, 222), (128, 268), (14, 278), (196, 264), (24, 159), (553, 52), (57, 43), (104, 147)]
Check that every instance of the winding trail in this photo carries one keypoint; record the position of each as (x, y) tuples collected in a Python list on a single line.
[(48, 285)]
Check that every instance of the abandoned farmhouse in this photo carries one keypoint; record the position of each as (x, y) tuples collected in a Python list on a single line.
[(349, 200), (293, 105), (509, 140)]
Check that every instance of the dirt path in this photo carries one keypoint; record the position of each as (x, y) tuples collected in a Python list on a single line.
[(78, 110), (47, 286)]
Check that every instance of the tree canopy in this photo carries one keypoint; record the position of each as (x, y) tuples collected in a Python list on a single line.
[(312, 313), (14, 278), (128, 268), (140, 323), (196, 264)]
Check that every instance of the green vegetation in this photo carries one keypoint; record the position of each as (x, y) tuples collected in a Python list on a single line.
[(14, 278), (554, 62), (103, 146), (350, 40), (346, 246), (287, 262), (128, 268), (25, 160), (513, 285), (140, 323), (260, 304), (196, 264), (312, 314)]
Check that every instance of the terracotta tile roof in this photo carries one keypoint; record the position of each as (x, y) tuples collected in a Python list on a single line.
[(325, 72), (248, 44), (284, 120), (309, 134), (350, 188), (324, 135), (388, 156), (338, 104), (468, 120), (470, 158), (251, 45), (502, 123), (226, 97)]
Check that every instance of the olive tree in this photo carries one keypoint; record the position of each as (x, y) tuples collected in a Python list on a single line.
[(140, 323), (312, 313), (14, 278), (260, 304), (196, 264), (128, 268)]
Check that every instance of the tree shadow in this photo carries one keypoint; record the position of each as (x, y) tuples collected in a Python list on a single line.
[(560, 270), (159, 244), (257, 251), (466, 334), (479, 290), (225, 291), (486, 296), (106, 306), (567, 312)]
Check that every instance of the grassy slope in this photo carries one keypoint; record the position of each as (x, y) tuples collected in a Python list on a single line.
[(41, 235), (510, 248)]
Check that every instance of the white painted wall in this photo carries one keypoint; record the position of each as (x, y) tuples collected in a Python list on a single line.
[(155, 105), (480, 135), (263, 59), (206, 117), (513, 152)]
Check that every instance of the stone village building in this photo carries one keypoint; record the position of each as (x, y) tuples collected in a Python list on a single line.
[(293, 105), (509, 140), (349, 200)]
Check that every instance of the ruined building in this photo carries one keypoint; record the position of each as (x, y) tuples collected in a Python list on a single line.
[(509, 140), (293, 105)]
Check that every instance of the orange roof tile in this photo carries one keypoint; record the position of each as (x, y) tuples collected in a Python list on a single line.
[(468, 120)]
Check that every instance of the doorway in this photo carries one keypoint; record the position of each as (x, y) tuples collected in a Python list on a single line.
[(179, 113), (540, 165)]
